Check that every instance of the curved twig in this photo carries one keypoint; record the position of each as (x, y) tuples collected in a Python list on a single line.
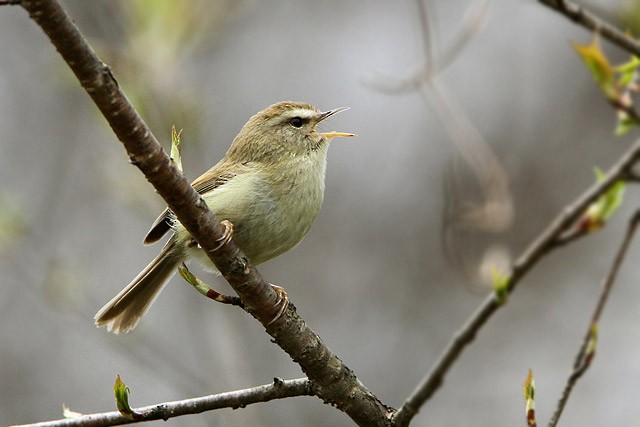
[(279, 389)]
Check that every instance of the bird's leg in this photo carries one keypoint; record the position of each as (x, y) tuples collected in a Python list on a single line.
[(205, 290), (282, 301)]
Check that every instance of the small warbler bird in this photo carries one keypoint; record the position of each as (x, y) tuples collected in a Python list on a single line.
[(267, 190)]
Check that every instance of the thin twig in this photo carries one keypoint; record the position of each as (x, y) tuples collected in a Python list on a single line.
[(279, 389), (435, 60), (493, 213), (542, 246), (331, 379), (581, 16), (570, 236), (584, 357), (206, 290)]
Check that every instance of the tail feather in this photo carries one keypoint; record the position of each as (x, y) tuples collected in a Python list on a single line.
[(124, 311)]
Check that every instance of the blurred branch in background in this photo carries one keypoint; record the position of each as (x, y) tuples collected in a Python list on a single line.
[(550, 239), (478, 202), (547, 241), (587, 214)]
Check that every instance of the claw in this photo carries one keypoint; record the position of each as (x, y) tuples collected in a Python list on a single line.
[(282, 301), (226, 236)]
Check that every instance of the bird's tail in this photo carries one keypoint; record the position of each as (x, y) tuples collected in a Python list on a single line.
[(124, 311)]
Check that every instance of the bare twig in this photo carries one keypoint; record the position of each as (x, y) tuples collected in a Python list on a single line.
[(207, 291), (279, 389), (435, 60), (584, 356), (330, 378), (543, 245), (570, 236), (581, 16)]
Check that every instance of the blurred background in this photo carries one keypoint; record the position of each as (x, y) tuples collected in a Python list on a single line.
[(477, 123)]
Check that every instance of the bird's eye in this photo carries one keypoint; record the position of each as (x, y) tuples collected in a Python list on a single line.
[(296, 122)]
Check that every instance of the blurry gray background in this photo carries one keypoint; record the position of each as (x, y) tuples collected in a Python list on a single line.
[(371, 278)]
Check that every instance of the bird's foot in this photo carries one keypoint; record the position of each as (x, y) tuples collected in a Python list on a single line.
[(282, 301), (226, 235)]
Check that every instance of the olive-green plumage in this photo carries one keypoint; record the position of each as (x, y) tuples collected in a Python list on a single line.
[(269, 185)]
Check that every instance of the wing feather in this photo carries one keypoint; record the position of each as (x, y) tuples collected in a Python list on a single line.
[(206, 182)]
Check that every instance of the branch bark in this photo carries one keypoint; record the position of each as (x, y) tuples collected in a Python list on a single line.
[(279, 389), (550, 239), (330, 378)]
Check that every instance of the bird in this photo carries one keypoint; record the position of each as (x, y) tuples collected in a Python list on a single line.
[(267, 191)]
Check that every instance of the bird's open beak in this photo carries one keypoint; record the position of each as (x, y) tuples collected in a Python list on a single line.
[(333, 134)]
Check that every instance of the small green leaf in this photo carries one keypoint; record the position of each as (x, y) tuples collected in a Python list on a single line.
[(617, 82), (627, 72), (121, 391), (602, 209), (188, 275), (625, 124), (529, 387), (191, 279), (500, 281), (627, 83), (176, 147), (599, 66), (529, 391)]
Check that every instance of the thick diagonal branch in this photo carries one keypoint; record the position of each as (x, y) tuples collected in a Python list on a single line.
[(331, 380)]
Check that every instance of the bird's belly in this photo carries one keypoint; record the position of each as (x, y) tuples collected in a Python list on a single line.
[(264, 227), (274, 228)]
